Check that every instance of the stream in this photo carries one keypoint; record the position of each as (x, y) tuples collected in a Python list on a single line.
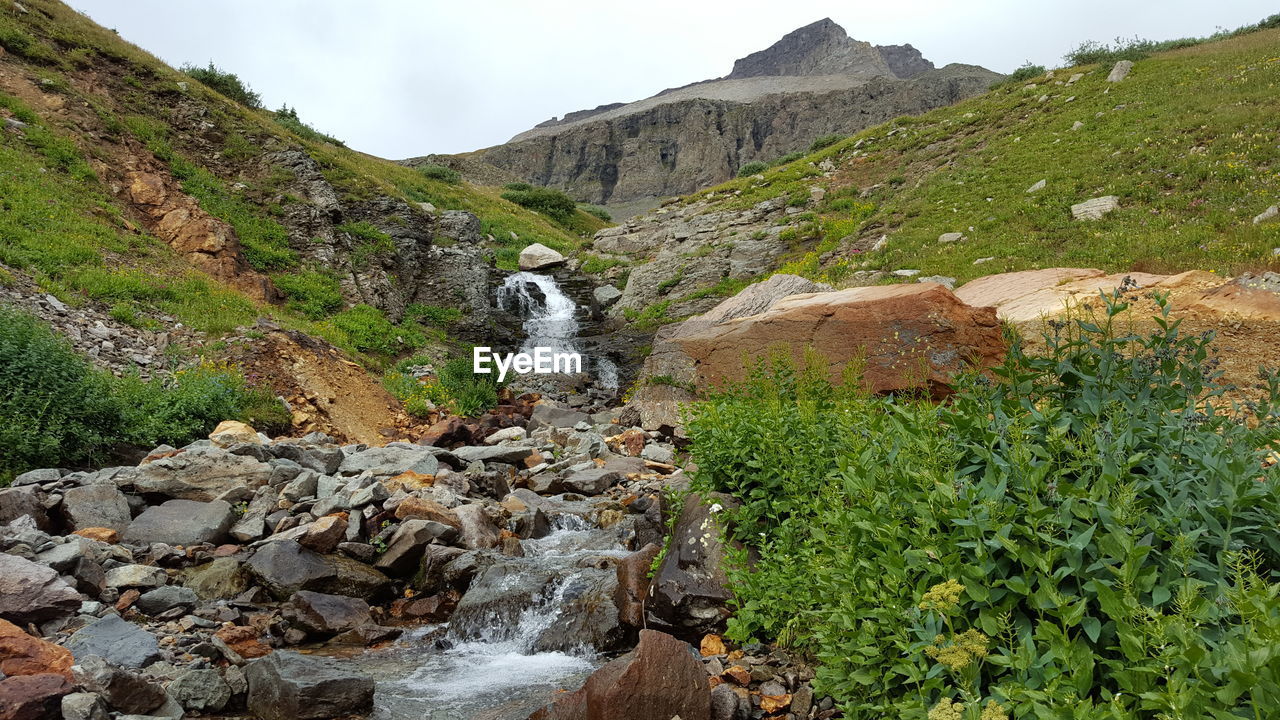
[(551, 319)]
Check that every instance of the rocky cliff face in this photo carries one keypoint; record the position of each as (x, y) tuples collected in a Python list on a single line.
[(814, 81)]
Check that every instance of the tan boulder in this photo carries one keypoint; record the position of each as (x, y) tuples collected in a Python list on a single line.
[(232, 432), (425, 509), (101, 534), (146, 189), (907, 336)]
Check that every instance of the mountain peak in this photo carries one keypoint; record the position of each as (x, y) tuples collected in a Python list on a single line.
[(824, 48)]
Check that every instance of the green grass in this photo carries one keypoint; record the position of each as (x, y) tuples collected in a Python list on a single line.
[(1187, 142)]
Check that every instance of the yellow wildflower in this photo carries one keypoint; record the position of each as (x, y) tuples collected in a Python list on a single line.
[(994, 711), (942, 597), (947, 710), (962, 651)]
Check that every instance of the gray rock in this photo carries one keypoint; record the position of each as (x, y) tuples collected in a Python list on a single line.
[(200, 690), (33, 593), (478, 530), (136, 576), (123, 690), (592, 482), (1037, 187), (950, 237), (252, 525), (16, 502), (404, 550), (285, 567), (38, 477), (99, 505), (84, 706), (1094, 209), (221, 579), (287, 686), (690, 589), (538, 256), (324, 614), (509, 454), (117, 641), (606, 295), (1120, 71), (201, 473), (182, 522), (303, 486), (165, 598), (546, 415), (385, 462), (943, 280), (1267, 215)]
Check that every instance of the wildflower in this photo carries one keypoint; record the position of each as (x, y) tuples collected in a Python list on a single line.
[(994, 711), (961, 652), (942, 597), (947, 710)]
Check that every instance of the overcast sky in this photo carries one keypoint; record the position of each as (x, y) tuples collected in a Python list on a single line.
[(404, 78)]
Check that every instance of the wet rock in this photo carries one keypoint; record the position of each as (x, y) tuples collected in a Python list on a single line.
[(33, 593), (690, 589), (95, 506), (284, 567), (166, 598), (288, 686), (200, 690), (22, 654), (182, 522), (117, 641), (242, 640), (659, 680), (367, 634), (32, 697), (323, 614), (478, 529), (201, 474), (633, 584)]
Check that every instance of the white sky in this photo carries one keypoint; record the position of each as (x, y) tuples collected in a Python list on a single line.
[(399, 78)]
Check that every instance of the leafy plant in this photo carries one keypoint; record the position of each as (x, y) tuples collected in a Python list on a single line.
[(441, 173), (825, 141), (752, 168), (1090, 533), (369, 330), (548, 201), (313, 293), (288, 117), (1026, 71), (226, 83)]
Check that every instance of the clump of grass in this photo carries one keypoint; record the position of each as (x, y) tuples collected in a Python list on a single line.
[(752, 168), (440, 173), (315, 294), (288, 118)]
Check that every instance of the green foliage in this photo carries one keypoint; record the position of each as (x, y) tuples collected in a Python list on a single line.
[(368, 330), (1027, 71), (370, 242), (594, 264), (55, 410), (469, 393), (517, 186), (650, 317), (441, 173), (264, 241), (548, 201), (597, 211), (288, 118), (825, 141), (226, 83), (1136, 48), (788, 158), (454, 385), (433, 315), (190, 405), (752, 168), (313, 293), (1093, 534)]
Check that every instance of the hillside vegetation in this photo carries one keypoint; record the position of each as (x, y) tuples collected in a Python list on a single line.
[(1187, 142)]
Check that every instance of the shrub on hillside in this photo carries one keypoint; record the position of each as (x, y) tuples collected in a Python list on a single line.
[(597, 211), (441, 173), (313, 293), (454, 386), (752, 168), (1093, 534), (825, 141), (188, 406), (548, 201), (55, 410), (1026, 72), (288, 117), (226, 83), (368, 330)]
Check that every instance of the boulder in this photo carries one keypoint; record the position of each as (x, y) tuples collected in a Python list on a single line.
[(136, 576), (407, 543), (427, 509), (660, 679), (182, 522), (287, 686), (547, 415), (200, 690), (906, 336), (538, 256), (166, 598), (284, 567), (447, 432), (232, 432), (22, 654), (1120, 71), (220, 579), (690, 590), (33, 697), (109, 536), (124, 690), (323, 614), (115, 640), (633, 584), (1094, 209), (252, 525), (323, 535), (16, 502), (386, 462), (509, 454), (30, 592), (96, 506), (592, 482), (201, 474), (606, 295), (84, 706), (1267, 215), (478, 530)]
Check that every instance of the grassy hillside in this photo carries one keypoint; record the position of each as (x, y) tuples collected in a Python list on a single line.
[(93, 103), (1188, 142)]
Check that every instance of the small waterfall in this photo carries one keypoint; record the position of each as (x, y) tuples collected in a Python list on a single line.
[(551, 321)]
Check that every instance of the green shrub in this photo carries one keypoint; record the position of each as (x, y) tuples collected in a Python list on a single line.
[(288, 117), (370, 242), (433, 315), (825, 141), (1090, 535), (548, 201), (788, 158), (441, 173), (55, 410), (313, 293), (597, 211), (517, 186), (177, 410), (1026, 72), (752, 168), (369, 330), (470, 394), (226, 83)]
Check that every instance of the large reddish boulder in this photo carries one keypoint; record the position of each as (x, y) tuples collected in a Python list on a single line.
[(33, 697), (658, 680), (22, 654), (907, 336)]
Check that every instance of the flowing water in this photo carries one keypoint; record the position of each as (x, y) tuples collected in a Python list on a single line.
[(490, 670), (551, 321)]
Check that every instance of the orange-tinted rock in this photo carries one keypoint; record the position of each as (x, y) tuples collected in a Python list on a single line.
[(127, 599), (434, 608), (739, 675), (409, 481), (106, 535), (632, 442), (633, 584), (425, 509), (146, 189), (907, 336), (712, 645), (244, 640), (22, 654), (447, 432), (324, 534), (774, 703)]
